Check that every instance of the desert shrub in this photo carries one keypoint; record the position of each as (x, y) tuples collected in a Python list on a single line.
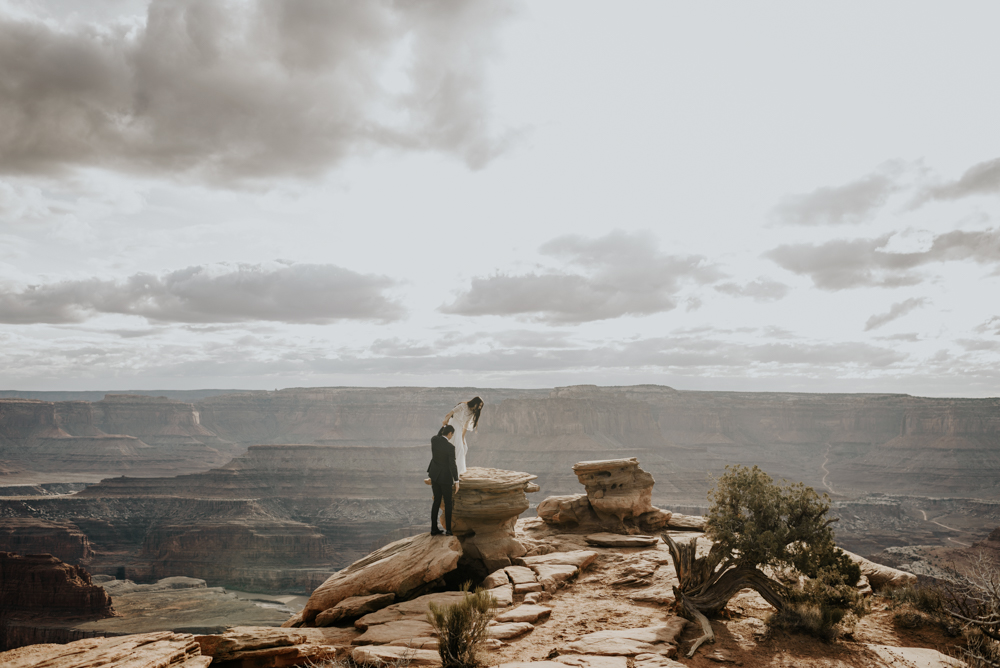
[(924, 599), (980, 650), (830, 589), (817, 620), (462, 628), (347, 662), (908, 618), (762, 523)]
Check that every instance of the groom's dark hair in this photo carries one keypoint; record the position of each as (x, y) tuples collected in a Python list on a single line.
[(445, 430)]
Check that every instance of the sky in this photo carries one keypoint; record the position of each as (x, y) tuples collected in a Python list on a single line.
[(761, 196)]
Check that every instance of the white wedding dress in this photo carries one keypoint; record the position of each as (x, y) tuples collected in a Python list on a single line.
[(461, 417)]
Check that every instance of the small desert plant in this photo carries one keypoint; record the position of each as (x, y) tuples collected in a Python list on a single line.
[(814, 619), (347, 662), (462, 627)]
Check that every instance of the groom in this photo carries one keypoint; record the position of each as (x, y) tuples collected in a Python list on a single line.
[(444, 477)]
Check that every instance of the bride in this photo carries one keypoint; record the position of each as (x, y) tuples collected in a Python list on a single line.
[(463, 417)]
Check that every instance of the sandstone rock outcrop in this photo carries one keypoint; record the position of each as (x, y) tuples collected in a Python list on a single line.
[(618, 491), (265, 647), (487, 506), (400, 568), (39, 587), (880, 576), (162, 650)]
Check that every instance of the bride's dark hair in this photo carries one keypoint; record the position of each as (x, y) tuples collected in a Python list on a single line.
[(475, 405)]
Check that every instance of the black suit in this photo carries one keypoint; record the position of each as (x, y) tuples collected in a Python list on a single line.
[(443, 472)]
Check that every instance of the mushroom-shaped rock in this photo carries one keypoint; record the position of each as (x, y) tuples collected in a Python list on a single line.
[(617, 487), (399, 568), (486, 508), (618, 490)]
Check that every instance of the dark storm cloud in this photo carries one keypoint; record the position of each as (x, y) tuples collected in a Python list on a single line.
[(851, 203), (840, 264), (896, 311), (980, 179), (240, 90), (618, 274), (302, 293), (761, 290)]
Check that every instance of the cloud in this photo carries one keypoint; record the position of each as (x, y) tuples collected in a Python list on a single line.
[(619, 274), (848, 204), (896, 311), (761, 290), (236, 91), (296, 293), (841, 264), (981, 179)]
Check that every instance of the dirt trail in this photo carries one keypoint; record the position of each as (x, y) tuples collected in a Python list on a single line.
[(945, 526)]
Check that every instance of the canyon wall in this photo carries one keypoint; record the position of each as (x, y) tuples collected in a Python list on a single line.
[(294, 483), (38, 588), (119, 434)]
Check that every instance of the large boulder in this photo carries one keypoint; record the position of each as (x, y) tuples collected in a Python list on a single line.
[(618, 492), (487, 506), (400, 568)]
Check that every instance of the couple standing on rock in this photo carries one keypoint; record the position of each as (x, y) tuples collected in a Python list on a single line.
[(448, 459)]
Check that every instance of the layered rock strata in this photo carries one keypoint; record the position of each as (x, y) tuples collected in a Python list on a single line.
[(29, 535), (39, 587)]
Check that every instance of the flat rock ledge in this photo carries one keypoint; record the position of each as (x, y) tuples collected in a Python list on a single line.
[(268, 646), (400, 568), (487, 506), (657, 640), (164, 650)]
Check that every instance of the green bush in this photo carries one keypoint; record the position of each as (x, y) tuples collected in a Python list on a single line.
[(462, 628), (763, 523)]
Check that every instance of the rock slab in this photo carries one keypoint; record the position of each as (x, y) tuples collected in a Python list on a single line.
[(354, 607), (394, 655), (524, 613), (399, 568), (275, 646), (619, 540)]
